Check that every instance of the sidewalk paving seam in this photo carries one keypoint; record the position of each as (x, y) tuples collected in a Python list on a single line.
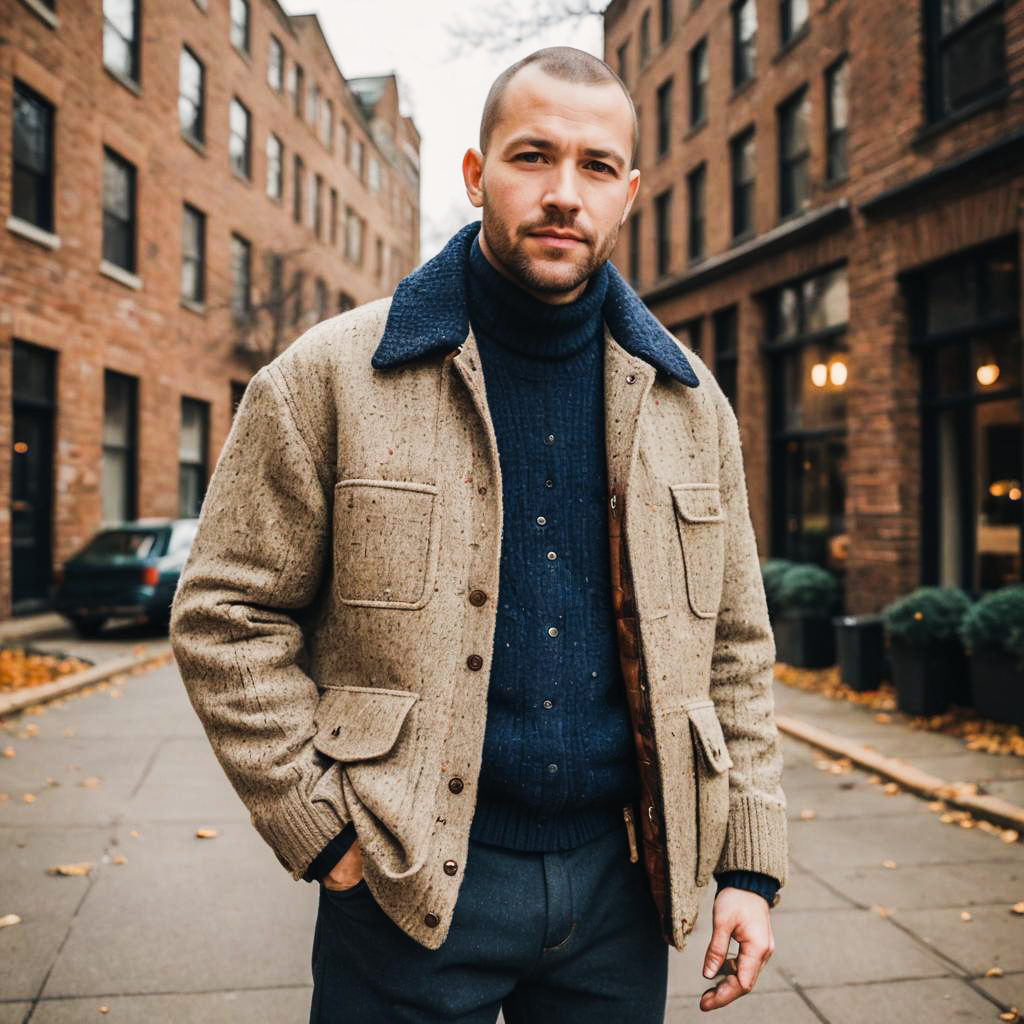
[(992, 808)]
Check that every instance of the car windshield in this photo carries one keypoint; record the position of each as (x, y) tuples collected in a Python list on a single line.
[(122, 543), (182, 537)]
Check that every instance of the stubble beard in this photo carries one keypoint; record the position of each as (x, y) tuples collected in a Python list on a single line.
[(509, 248)]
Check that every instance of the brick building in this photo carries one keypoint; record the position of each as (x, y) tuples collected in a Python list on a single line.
[(831, 214), (186, 187)]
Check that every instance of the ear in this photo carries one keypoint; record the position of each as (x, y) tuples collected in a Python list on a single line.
[(633, 187), (473, 175)]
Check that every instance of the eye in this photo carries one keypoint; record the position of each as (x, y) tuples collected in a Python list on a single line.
[(526, 156), (601, 166)]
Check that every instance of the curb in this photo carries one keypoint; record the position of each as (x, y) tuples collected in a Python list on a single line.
[(18, 701), (991, 808)]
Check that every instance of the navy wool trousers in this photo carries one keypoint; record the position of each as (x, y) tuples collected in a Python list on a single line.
[(567, 937)]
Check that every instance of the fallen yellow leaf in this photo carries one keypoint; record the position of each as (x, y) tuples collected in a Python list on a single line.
[(72, 869), (134, 834), (968, 823), (8, 919), (807, 814), (965, 915), (118, 858), (1010, 835), (936, 805), (1018, 907), (890, 788), (1012, 1014), (29, 798), (882, 718), (9, 752), (888, 863), (994, 972), (206, 833), (104, 1009), (882, 911), (92, 782)]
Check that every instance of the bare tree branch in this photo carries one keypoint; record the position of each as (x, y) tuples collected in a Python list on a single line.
[(496, 28)]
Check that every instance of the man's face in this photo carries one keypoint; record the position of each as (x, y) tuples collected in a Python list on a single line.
[(556, 184)]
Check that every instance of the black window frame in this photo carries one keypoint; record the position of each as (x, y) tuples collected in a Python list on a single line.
[(129, 449), (725, 337), (246, 171), (789, 162), (696, 211), (837, 166), (243, 29), (192, 215), (133, 44), (744, 52), (635, 226), (273, 138), (622, 55), (113, 221), (939, 42), (787, 30), (298, 174), (241, 289), (699, 89), (663, 233), (666, 17), (663, 106), (645, 38), (198, 104), (36, 208), (742, 191), (275, 59), (199, 469)]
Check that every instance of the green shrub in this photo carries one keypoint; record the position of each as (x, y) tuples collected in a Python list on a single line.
[(808, 588), (772, 571), (926, 616), (996, 621)]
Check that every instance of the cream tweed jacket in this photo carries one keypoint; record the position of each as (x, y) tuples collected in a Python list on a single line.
[(324, 632)]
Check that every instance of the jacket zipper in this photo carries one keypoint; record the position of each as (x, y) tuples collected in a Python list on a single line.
[(627, 813)]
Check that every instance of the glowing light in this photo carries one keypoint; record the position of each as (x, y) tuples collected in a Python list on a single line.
[(837, 373), (987, 373), (819, 375)]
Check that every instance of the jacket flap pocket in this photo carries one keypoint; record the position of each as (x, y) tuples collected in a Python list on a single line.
[(708, 730), (358, 722), (698, 503)]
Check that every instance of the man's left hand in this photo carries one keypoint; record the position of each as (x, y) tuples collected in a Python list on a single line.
[(745, 916)]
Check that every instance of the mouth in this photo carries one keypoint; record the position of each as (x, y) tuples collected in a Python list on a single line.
[(557, 239)]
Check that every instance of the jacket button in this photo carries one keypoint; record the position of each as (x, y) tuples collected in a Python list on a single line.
[(336, 730), (477, 597), (474, 661), (431, 920), (450, 867), (631, 379), (455, 784)]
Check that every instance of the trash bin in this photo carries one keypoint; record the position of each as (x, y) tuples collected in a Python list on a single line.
[(860, 649)]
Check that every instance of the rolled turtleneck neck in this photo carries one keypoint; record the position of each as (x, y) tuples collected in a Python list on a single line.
[(516, 320)]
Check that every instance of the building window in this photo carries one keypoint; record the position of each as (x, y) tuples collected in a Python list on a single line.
[(634, 250), (275, 64), (193, 254), (793, 15), (191, 93), (239, 146), (321, 299), (744, 41), (192, 456), (965, 326), (298, 173), (298, 87), (118, 211), (699, 82), (328, 129), (313, 105), (725, 327), (645, 38), (966, 53), (663, 232), (241, 277), (32, 158), (373, 173), (334, 216), (378, 264), (117, 473), (237, 394), (298, 286), (121, 37), (666, 21), (240, 25), (664, 106), (809, 369), (353, 236), (836, 93), (696, 187), (318, 206), (345, 302), (275, 167), (689, 333), (743, 168), (794, 153), (623, 59), (356, 157)]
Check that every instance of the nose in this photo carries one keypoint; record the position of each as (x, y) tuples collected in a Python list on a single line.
[(562, 193)]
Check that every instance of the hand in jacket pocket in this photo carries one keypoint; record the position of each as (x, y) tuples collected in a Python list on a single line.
[(348, 871)]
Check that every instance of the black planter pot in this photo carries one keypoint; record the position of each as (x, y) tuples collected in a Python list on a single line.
[(804, 640), (997, 685), (860, 650), (927, 678)]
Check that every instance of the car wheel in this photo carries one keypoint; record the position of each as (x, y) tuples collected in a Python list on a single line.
[(87, 627)]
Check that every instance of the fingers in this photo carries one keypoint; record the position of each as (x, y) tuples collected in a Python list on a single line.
[(717, 948), (741, 973)]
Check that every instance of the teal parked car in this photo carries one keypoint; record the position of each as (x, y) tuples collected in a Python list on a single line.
[(130, 569)]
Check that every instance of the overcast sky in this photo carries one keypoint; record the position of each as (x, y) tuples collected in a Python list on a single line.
[(444, 96)]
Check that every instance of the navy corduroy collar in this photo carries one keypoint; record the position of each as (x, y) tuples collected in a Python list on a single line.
[(429, 314)]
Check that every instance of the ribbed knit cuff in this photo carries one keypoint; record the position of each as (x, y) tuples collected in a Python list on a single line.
[(756, 839), (329, 856), (754, 881), (296, 830)]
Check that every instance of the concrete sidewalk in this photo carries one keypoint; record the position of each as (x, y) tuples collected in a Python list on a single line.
[(868, 930)]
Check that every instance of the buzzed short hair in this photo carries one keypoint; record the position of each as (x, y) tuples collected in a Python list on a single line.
[(564, 62)]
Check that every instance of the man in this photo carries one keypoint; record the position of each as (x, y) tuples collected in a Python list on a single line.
[(474, 619)]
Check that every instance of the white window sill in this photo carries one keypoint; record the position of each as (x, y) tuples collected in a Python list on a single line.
[(45, 13), (121, 275), (40, 236)]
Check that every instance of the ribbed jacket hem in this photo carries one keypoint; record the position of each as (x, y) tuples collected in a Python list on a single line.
[(756, 839), (298, 830), (517, 826)]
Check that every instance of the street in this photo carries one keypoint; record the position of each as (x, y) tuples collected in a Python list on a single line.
[(868, 930)]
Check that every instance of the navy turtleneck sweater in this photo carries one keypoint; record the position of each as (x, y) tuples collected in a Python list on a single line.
[(559, 760)]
